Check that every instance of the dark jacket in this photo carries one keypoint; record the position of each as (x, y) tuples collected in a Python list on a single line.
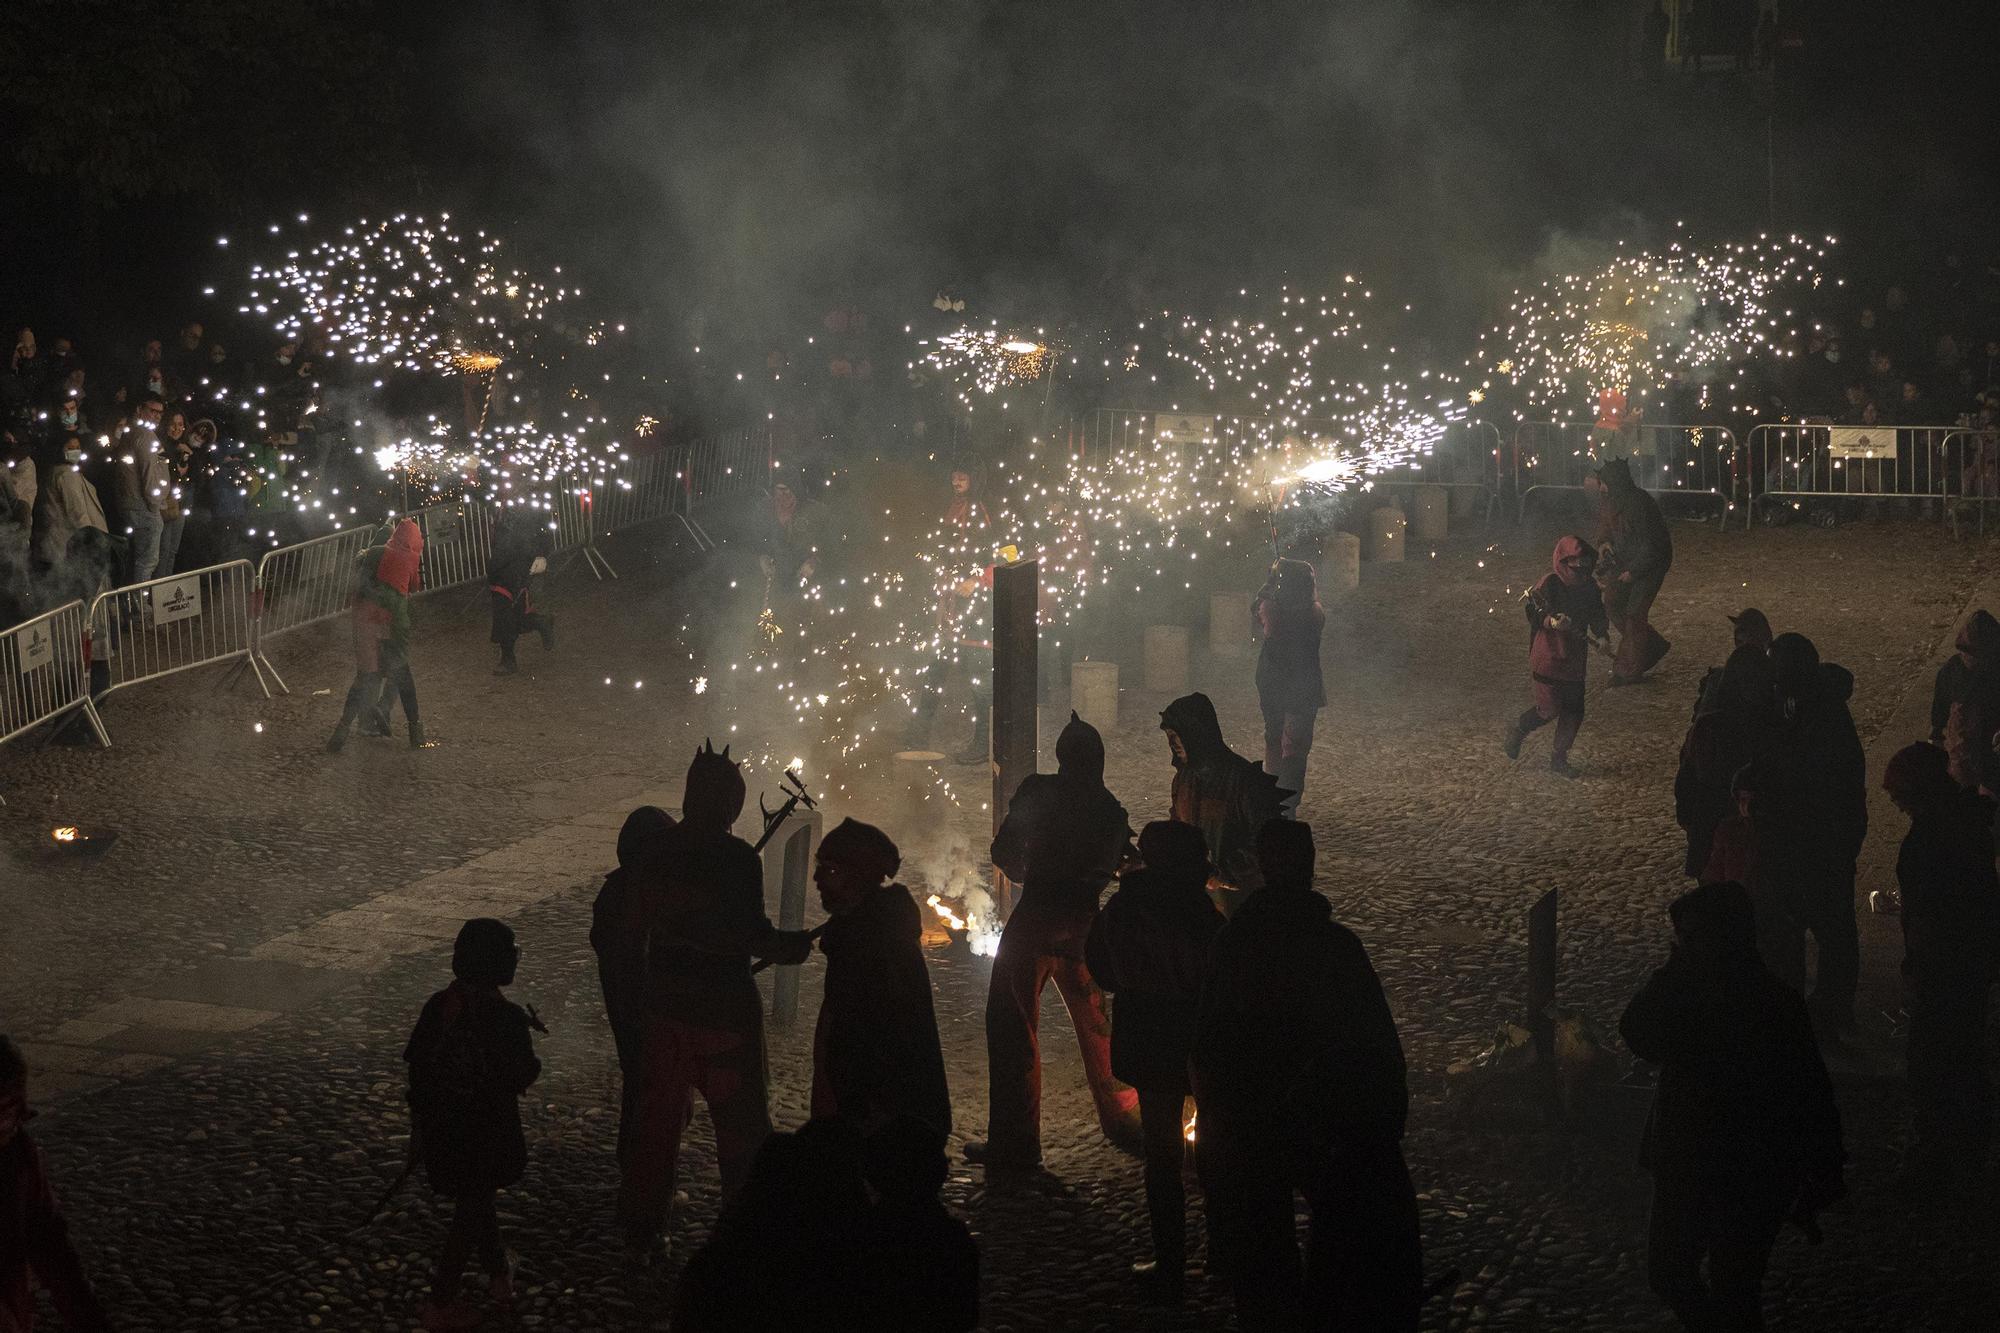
[(1563, 655), (1744, 1102), (1719, 743), (1065, 834), (1289, 679), (519, 538), (1813, 796), (1295, 1049), (1948, 688), (1951, 895), (703, 926), (618, 919), (1630, 520), (1149, 947), (34, 1239), (876, 1052), (470, 1060), (1220, 792)]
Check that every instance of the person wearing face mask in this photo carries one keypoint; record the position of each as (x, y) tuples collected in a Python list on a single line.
[(34, 1236), (174, 460)]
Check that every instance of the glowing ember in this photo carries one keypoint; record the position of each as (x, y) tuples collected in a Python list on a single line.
[(1187, 1130), (982, 939), (67, 833)]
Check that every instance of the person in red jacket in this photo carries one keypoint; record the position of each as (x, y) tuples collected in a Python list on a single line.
[(1565, 610), (34, 1237)]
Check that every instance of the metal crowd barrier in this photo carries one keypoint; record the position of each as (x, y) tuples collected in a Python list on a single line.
[(458, 542), (1667, 459), (1467, 457), (1972, 472), (1798, 462), (738, 463), (173, 624), (45, 672), (303, 585)]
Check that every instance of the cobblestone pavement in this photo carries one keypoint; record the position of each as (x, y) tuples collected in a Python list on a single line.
[(215, 1009)]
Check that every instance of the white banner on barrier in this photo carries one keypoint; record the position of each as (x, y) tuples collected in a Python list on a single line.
[(176, 601), (1861, 442), (34, 647), (1183, 427)]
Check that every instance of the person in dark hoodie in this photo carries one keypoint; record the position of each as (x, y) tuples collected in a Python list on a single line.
[(1972, 717), (923, 1264), (1813, 817), (1719, 745), (1748, 626), (1290, 687), (1565, 611), (1632, 536), (382, 636), (1299, 1075), (1220, 792), (1951, 944), (876, 1053), (1064, 837), (1744, 1132), (703, 1027), (618, 938), (1977, 646), (470, 1060), (520, 543), (34, 1235), (1149, 949)]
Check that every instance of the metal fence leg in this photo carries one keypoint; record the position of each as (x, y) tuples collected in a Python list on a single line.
[(96, 723)]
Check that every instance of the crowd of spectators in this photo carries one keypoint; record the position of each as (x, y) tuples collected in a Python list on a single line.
[(115, 469)]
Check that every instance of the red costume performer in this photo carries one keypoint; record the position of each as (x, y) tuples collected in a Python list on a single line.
[(1062, 841), (1563, 610)]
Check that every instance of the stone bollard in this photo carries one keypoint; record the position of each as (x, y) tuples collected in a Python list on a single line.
[(1432, 519), (1229, 624), (1465, 500), (1166, 659), (1093, 693), (1384, 541), (1340, 565)]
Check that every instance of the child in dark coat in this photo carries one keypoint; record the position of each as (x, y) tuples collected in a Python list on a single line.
[(470, 1060), (1565, 610)]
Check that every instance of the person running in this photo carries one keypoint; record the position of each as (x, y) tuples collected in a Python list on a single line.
[(381, 620), (1564, 612), (1633, 537), (1290, 687)]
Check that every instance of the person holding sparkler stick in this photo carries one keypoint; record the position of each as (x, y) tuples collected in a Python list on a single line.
[(1565, 614)]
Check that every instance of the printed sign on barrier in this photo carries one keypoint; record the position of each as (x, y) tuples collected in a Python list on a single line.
[(1183, 427), (176, 601), (444, 527), (1861, 442), (34, 647)]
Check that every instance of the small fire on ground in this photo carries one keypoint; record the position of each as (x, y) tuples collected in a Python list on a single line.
[(979, 936), (67, 833)]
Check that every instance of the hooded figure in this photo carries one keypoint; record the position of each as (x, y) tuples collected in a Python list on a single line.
[(1290, 687), (1951, 945), (519, 542), (1218, 791), (876, 1053), (381, 622), (1149, 947), (618, 937), (1813, 816), (703, 1021), (1965, 703), (1063, 839), (1300, 1076), (1719, 744), (1641, 550), (1565, 611), (1748, 626), (1744, 1129)]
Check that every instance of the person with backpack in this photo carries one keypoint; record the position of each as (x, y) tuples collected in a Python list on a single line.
[(470, 1060), (382, 637)]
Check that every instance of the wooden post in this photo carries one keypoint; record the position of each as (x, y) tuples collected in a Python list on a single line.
[(1542, 973), (1015, 592)]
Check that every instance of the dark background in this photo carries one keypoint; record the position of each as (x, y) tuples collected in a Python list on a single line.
[(733, 170)]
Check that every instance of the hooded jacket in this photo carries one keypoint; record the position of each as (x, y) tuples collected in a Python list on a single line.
[(382, 606), (1220, 792), (1815, 790), (617, 917), (1150, 947), (1294, 1045), (1979, 640), (876, 1053), (1065, 833), (1562, 655)]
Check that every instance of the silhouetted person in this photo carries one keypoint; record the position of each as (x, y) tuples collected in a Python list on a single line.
[(876, 1053), (1218, 791), (1815, 793), (1565, 610), (618, 938), (1734, 858), (520, 543), (1149, 949), (1290, 687), (923, 1265), (1972, 714), (381, 621), (1748, 626), (1951, 943), (1978, 643), (470, 1060), (34, 1236), (1744, 1130), (1299, 1077), (1641, 553), (790, 1250), (1720, 743), (704, 1021), (1063, 839)]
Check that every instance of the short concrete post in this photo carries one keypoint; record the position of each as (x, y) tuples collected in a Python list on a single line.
[(1093, 693), (1166, 659), (1433, 509), (1229, 624), (1340, 565), (1384, 540)]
